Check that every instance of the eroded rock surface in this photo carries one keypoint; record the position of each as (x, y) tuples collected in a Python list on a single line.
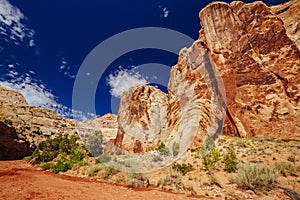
[(246, 53), (141, 117), (27, 124), (259, 65), (289, 12)]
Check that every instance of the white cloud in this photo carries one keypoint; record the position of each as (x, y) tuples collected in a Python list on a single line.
[(37, 94), (165, 12), (123, 79), (11, 24), (66, 69)]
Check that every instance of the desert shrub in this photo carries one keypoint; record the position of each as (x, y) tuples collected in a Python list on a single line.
[(62, 165), (64, 150), (95, 143), (102, 171), (182, 168), (94, 169), (119, 152), (255, 177), (214, 181), (230, 160), (107, 172), (157, 159), (163, 149), (286, 169), (210, 158), (209, 154), (137, 180), (175, 148), (104, 158)]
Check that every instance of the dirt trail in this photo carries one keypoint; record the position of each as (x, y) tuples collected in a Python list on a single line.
[(19, 180)]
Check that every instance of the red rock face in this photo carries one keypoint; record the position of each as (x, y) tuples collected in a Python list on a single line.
[(243, 55), (260, 68)]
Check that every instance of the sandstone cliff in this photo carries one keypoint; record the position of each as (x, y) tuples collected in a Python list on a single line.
[(22, 126), (259, 65), (247, 58)]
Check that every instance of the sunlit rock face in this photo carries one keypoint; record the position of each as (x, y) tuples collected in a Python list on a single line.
[(141, 117), (247, 58), (24, 126), (259, 65)]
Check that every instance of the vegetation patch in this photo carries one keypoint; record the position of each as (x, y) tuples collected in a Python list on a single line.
[(209, 153), (256, 177), (62, 151), (230, 159), (182, 168), (163, 149)]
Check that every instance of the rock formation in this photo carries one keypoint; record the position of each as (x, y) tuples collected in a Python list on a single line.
[(29, 124), (141, 117), (12, 146), (289, 13), (22, 126), (259, 65), (246, 54)]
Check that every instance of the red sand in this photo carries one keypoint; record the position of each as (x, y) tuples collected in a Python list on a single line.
[(19, 180)]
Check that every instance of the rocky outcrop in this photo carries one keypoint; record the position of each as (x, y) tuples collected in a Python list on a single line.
[(11, 145), (246, 58), (141, 117), (259, 65), (23, 127), (289, 13), (27, 124), (108, 125)]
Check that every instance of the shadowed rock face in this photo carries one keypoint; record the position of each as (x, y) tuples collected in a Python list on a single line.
[(11, 146), (244, 54)]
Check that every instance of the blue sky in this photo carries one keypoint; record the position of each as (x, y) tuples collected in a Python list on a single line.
[(44, 43)]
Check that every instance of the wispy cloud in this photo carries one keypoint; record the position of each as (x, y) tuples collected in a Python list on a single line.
[(164, 11), (37, 94), (65, 68), (123, 79), (11, 26)]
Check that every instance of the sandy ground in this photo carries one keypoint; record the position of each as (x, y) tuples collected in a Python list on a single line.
[(19, 180)]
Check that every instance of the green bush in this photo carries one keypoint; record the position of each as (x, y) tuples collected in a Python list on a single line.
[(62, 165), (230, 160), (163, 149), (119, 152), (102, 171), (64, 150), (47, 166), (182, 168), (104, 158), (95, 143), (157, 159), (209, 154), (137, 180), (255, 177), (175, 148)]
